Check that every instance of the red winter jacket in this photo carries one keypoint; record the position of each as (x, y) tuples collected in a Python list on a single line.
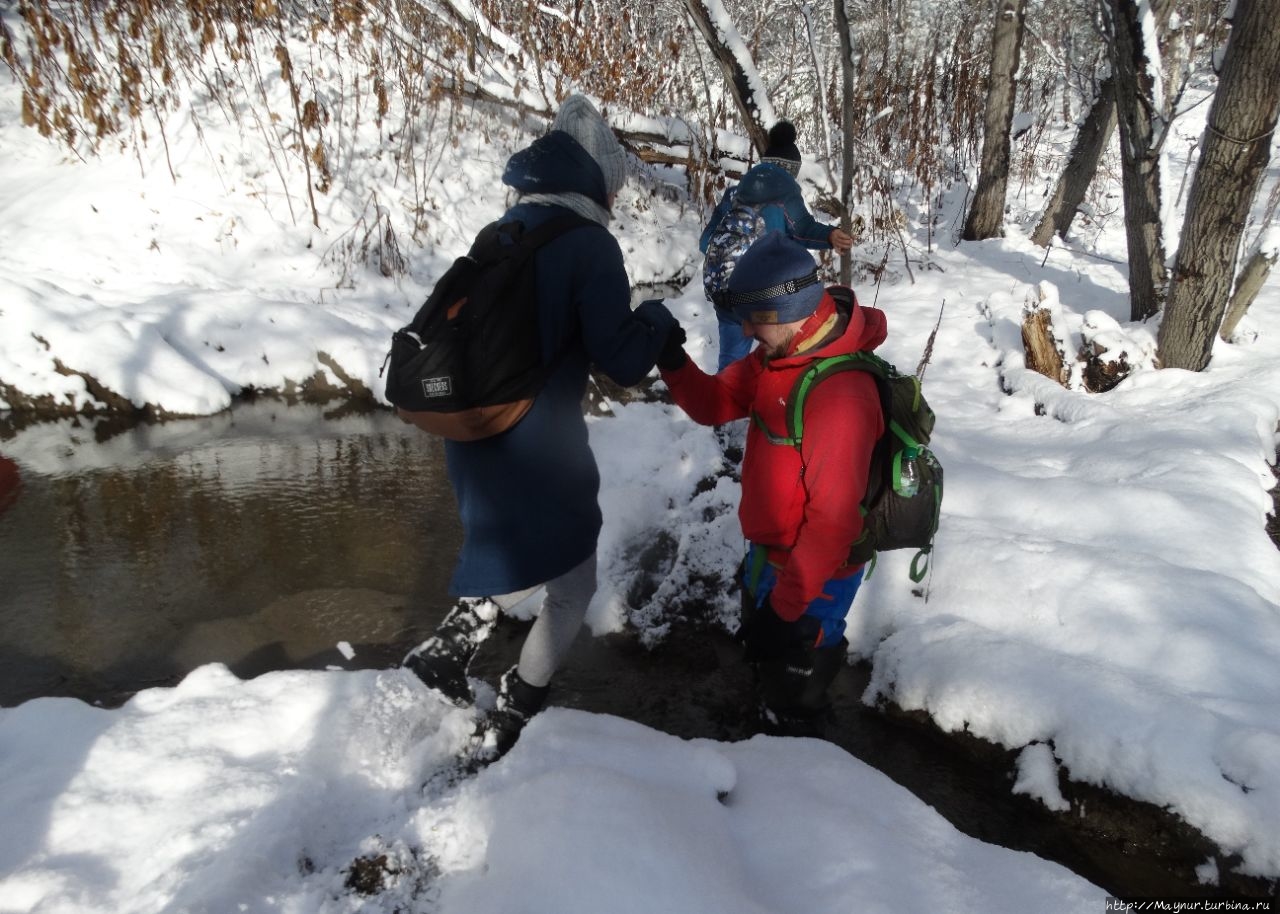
[(802, 504)]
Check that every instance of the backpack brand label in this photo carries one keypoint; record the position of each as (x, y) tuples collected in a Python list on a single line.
[(437, 387)]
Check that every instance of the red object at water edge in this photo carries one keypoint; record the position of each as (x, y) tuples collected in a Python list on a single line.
[(10, 480)]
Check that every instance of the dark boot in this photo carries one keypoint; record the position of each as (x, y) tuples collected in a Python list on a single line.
[(441, 661), (794, 722), (517, 702), (826, 664), (793, 690)]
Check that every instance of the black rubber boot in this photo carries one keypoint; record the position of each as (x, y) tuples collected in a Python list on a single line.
[(442, 660), (826, 664), (793, 690), (517, 702)]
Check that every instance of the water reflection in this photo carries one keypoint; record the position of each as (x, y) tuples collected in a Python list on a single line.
[(259, 538)]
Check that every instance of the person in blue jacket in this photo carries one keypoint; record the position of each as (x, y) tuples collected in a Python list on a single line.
[(769, 193), (528, 497)]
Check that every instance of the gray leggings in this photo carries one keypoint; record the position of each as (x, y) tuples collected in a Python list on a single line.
[(564, 607)]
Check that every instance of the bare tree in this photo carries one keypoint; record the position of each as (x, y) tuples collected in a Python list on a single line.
[(1235, 151), (1184, 48), (1082, 164), (986, 215), (739, 70), (1248, 284), (846, 131), (1140, 108)]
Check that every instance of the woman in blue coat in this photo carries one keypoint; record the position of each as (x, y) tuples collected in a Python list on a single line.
[(528, 498)]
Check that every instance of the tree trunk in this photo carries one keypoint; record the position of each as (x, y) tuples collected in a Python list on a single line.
[(1091, 141), (1135, 65), (751, 109), (1235, 151), (986, 215), (846, 122), (1248, 285)]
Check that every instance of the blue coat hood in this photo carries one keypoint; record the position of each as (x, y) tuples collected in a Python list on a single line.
[(766, 183), (555, 164)]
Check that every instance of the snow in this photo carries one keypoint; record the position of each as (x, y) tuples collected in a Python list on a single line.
[(222, 795), (1038, 776), (1269, 244), (1153, 69), (1103, 597)]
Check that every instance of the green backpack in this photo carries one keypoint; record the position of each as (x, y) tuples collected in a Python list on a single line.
[(893, 515)]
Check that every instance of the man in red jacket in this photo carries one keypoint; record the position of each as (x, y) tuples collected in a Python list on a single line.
[(800, 506)]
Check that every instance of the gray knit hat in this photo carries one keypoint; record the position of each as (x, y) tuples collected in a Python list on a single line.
[(580, 119)]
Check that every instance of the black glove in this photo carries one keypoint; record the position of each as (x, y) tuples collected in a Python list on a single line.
[(767, 636), (672, 354)]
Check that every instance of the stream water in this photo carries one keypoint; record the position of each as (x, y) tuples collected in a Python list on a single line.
[(260, 538), (265, 537)]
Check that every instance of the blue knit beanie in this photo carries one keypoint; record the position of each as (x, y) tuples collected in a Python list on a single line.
[(775, 282)]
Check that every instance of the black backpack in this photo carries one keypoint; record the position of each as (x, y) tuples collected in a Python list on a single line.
[(891, 519), (470, 363)]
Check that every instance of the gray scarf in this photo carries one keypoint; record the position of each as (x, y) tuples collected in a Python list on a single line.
[(581, 204)]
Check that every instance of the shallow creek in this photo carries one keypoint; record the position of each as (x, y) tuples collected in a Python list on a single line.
[(263, 537)]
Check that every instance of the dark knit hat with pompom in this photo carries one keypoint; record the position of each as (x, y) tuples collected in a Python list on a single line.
[(782, 147)]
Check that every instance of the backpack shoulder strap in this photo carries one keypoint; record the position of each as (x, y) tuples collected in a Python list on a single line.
[(815, 374), (527, 243), (553, 228), (872, 364), (499, 240)]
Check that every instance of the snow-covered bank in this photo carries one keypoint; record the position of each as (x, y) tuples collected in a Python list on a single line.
[(268, 795), (1104, 598), (177, 296)]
